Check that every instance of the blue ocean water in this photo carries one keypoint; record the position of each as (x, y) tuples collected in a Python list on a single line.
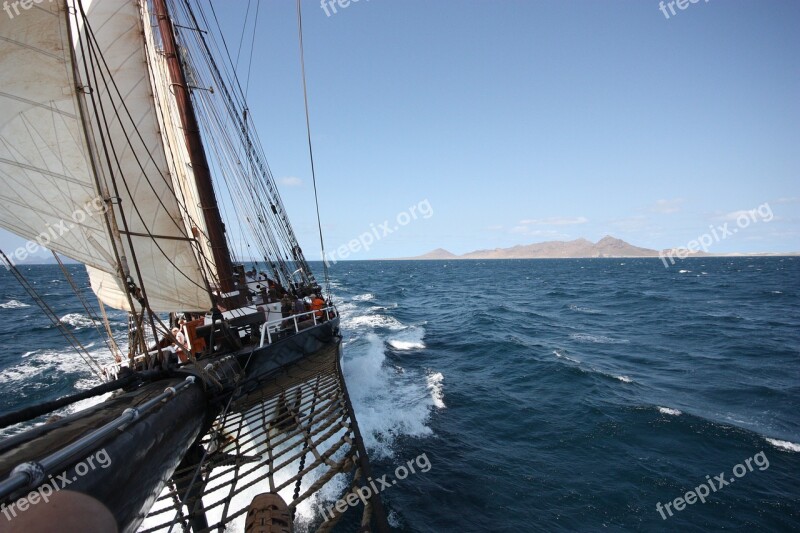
[(546, 394)]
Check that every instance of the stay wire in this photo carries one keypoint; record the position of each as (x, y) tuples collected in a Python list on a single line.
[(310, 149)]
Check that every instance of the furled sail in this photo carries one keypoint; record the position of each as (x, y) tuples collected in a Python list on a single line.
[(55, 157)]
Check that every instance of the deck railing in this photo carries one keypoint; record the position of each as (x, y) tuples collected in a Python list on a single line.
[(266, 329), (111, 370)]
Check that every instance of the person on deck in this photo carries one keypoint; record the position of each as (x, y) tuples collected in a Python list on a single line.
[(300, 307), (317, 304), (286, 310), (181, 346)]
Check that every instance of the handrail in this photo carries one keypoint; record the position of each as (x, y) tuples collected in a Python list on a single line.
[(265, 327), (31, 474)]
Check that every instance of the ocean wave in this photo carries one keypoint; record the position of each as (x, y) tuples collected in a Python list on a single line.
[(624, 379), (596, 339), (563, 355), (77, 320), (377, 321), (406, 345), (47, 362), (390, 401), (785, 445), (409, 339), (437, 389), (586, 310), (364, 297), (39, 367), (13, 304), (669, 411)]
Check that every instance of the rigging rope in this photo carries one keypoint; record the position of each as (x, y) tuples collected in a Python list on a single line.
[(54, 318), (310, 150), (110, 342)]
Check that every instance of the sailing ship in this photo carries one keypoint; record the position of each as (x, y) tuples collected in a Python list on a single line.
[(228, 405)]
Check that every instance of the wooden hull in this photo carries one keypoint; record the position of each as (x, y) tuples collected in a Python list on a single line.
[(145, 454)]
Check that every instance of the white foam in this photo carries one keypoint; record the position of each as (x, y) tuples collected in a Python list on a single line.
[(77, 320), (13, 304), (345, 309), (564, 356), (684, 271), (624, 379), (436, 388), (587, 310), (50, 362), (785, 445), (596, 339), (388, 401), (47, 363), (377, 321), (406, 345), (408, 339), (669, 411), (364, 297)]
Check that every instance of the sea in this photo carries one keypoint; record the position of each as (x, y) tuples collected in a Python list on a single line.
[(533, 395)]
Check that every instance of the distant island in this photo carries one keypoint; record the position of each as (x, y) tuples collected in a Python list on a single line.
[(576, 249)]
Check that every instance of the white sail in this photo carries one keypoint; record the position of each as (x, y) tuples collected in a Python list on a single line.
[(126, 118), (48, 174), (177, 152), (45, 171)]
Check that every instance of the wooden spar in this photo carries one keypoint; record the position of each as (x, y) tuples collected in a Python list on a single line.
[(197, 156)]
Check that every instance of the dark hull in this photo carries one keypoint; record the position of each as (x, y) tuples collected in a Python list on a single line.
[(146, 452)]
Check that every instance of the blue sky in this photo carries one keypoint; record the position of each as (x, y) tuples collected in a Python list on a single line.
[(524, 121)]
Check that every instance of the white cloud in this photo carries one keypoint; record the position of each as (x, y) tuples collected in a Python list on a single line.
[(526, 230), (290, 181), (667, 207), (554, 221), (744, 213)]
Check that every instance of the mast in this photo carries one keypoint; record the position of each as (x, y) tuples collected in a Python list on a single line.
[(197, 156)]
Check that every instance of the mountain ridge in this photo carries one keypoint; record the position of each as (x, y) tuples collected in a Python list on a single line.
[(580, 248)]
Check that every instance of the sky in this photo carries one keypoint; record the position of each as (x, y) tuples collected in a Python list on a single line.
[(520, 121)]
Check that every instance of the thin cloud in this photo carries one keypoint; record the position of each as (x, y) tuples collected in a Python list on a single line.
[(745, 213), (527, 231), (667, 207), (290, 181)]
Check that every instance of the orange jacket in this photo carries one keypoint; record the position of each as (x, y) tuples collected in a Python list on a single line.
[(316, 305)]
